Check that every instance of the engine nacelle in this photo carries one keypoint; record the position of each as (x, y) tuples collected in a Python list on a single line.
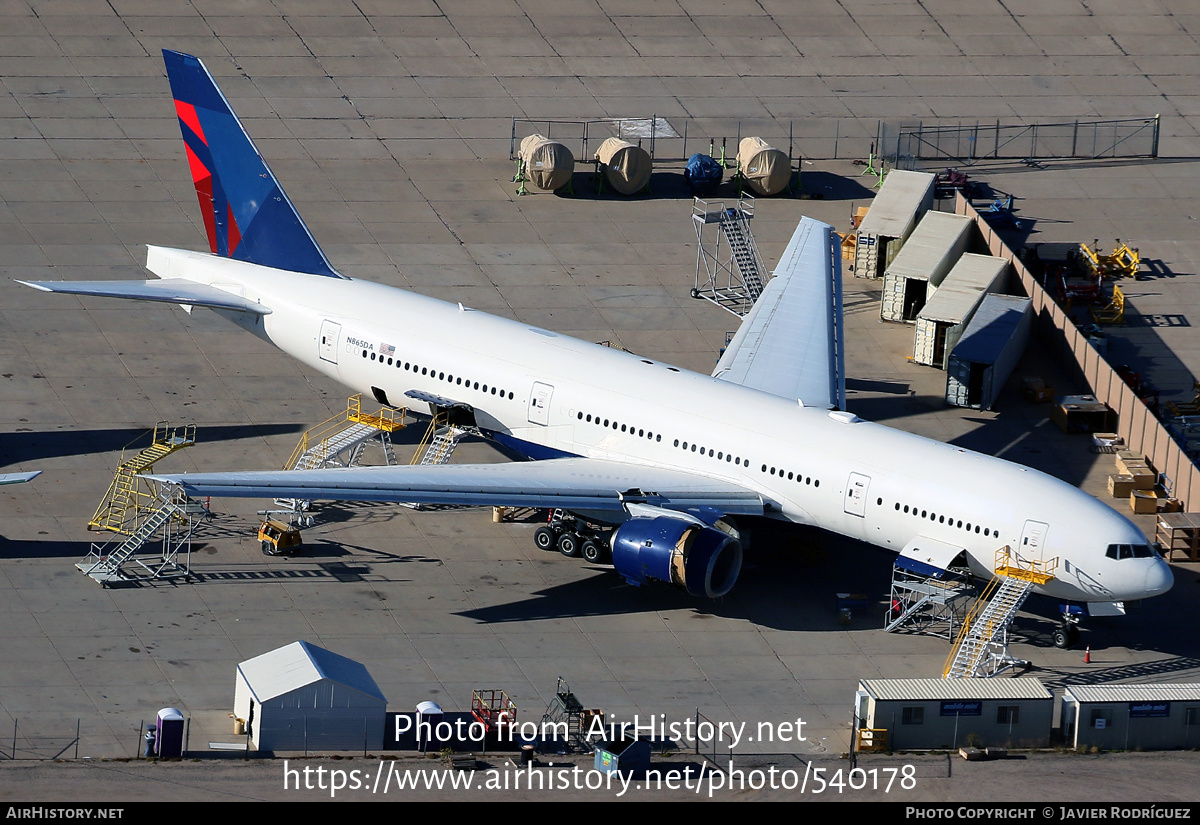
[(704, 560)]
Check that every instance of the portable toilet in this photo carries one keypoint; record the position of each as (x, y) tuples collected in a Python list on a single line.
[(171, 726)]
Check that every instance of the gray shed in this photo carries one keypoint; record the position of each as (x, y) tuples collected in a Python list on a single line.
[(928, 255), (921, 714), (1125, 717), (988, 351), (901, 202), (303, 697), (940, 324)]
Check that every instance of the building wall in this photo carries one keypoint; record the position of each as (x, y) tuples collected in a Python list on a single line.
[(1125, 730), (935, 730)]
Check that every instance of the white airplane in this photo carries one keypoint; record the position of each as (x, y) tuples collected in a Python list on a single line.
[(670, 457)]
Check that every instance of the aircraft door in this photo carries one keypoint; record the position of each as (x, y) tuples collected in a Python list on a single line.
[(856, 494), (1033, 540), (539, 403), (328, 346)]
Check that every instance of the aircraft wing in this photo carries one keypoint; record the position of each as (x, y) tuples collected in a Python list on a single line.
[(165, 290), (791, 343), (570, 483)]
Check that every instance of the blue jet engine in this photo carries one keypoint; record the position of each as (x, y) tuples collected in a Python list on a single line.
[(702, 559)]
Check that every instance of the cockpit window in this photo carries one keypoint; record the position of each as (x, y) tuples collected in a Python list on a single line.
[(1130, 551)]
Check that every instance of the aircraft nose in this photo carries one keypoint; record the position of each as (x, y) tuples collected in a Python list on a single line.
[(1159, 578)]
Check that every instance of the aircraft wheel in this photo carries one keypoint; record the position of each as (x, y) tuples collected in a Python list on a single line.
[(544, 538), (568, 544), (1072, 636), (593, 551), (1061, 638)]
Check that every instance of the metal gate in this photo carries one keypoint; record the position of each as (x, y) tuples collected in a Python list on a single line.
[(1128, 138)]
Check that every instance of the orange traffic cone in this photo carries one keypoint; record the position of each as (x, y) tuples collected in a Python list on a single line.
[(1087, 655)]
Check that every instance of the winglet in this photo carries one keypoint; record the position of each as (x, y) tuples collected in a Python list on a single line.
[(246, 213)]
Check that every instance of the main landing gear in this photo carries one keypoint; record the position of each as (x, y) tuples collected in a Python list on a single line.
[(573, 537)]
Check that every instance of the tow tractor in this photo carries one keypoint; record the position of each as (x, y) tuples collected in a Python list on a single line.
[(573, 536)]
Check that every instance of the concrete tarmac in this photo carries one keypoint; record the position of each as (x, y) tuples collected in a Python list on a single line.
[(389, 126)]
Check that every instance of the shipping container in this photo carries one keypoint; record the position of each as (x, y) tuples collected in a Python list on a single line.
[(988, 351), (946, 314), (928, 255), (901, 202)]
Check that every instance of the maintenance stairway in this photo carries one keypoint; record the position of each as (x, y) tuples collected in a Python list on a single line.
[(981, 649), (122, 561), (438, 444), (924, 604), (440, 441), (731, 275), (340, 442), (566, 717), (130, 496)]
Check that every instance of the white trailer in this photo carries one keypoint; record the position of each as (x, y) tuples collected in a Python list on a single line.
[(941, 323), (988, 351), (894, 213), (928, 255)]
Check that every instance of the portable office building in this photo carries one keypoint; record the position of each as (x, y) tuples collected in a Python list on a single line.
[(919, 714), (940, 324), (901, 202), (303, 697), (988, 352), (1127, 717), (928, 255)]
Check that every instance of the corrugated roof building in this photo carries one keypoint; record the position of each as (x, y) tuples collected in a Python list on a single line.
[(1131, 717), (923, 714)]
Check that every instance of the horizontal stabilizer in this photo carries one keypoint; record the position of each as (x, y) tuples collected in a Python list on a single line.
[(167, 291), (571, 483), (18, 478)]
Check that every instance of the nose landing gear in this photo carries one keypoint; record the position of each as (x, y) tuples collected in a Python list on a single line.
[(1066, 635)]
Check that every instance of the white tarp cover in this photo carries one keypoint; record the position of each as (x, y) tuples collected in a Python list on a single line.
[(766, 169), (626, 166), (548, 164)]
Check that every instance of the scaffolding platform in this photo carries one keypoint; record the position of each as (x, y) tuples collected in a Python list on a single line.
[(729, 269), (981, 647), (927, 605), (566, 713), (131, 497), (493, 709), (125, 560), (341, 441)]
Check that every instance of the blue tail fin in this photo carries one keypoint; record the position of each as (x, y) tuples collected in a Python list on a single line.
[(246, 213)]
